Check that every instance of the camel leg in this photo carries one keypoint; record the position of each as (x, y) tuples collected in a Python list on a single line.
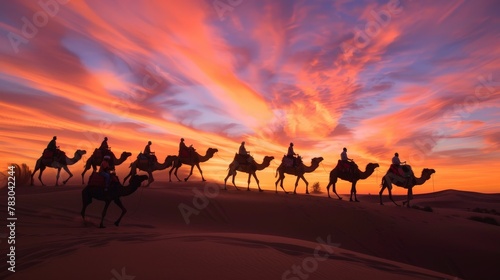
[(87, 167), (190, 173), (386, 184), (150, 178), (86, 200), (225, 180), (353, 191), (297, 183), (249, 179), (390, 196), (201, 172), (69, 172), (280, 179), (83, 174), (57, 175), (382, 191), (37, 167), (234, 176), (257, 180), (42, 168), (175, 173), (119, 203), (333, 183), (170, 173), (408, 197), (104, 213)]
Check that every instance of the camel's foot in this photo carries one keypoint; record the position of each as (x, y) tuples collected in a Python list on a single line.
[(203, 180), (117, 223), (248, 189), (185, 179), (381, 204), (355, 200), (307, 192), (261, 190), (294, 192), (102, 226), (340, 198)]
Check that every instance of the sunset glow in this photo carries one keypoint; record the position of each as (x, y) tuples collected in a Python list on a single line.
[(420, 78)]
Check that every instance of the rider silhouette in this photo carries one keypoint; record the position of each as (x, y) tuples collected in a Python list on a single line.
[(148, 154), (185, 151), (105, 170), (52, 146)]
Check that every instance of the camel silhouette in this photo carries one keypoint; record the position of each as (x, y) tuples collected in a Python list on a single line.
[(192, 161), (247, 168), (58, 163), (95, 161), (407, 183), (145, 166), (298, 171), (114, 193), (351, 177)]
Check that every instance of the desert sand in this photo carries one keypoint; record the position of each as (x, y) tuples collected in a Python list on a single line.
[(250, 235)]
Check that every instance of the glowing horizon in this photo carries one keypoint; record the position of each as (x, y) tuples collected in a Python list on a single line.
[(417, 78)]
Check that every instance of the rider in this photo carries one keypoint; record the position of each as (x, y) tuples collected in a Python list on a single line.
[(104, 148), (104, 145), (291, 154), (104, 171), (397, 163), (244, 153), (184, 151), (52, 146), (147, 152), (345, 159)]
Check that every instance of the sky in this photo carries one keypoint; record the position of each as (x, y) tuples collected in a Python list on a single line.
[(420, 78)]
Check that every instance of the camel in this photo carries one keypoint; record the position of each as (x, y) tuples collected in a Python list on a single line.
[(351, 177), (247, 168), (408, 183), (59, 163), (113, 194), (297, 171), (94, 161), (192, 161), (144, 166)]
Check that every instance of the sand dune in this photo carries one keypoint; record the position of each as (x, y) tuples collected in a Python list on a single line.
[(250, 235)]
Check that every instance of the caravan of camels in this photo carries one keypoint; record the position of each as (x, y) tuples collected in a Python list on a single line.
[(346, 169)]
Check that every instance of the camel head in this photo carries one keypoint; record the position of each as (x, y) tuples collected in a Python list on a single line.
[(268, 158), (428, 172), (80, 152), (137, 180), (212, 151), (317, 160), (126, 154), (372, 166)]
